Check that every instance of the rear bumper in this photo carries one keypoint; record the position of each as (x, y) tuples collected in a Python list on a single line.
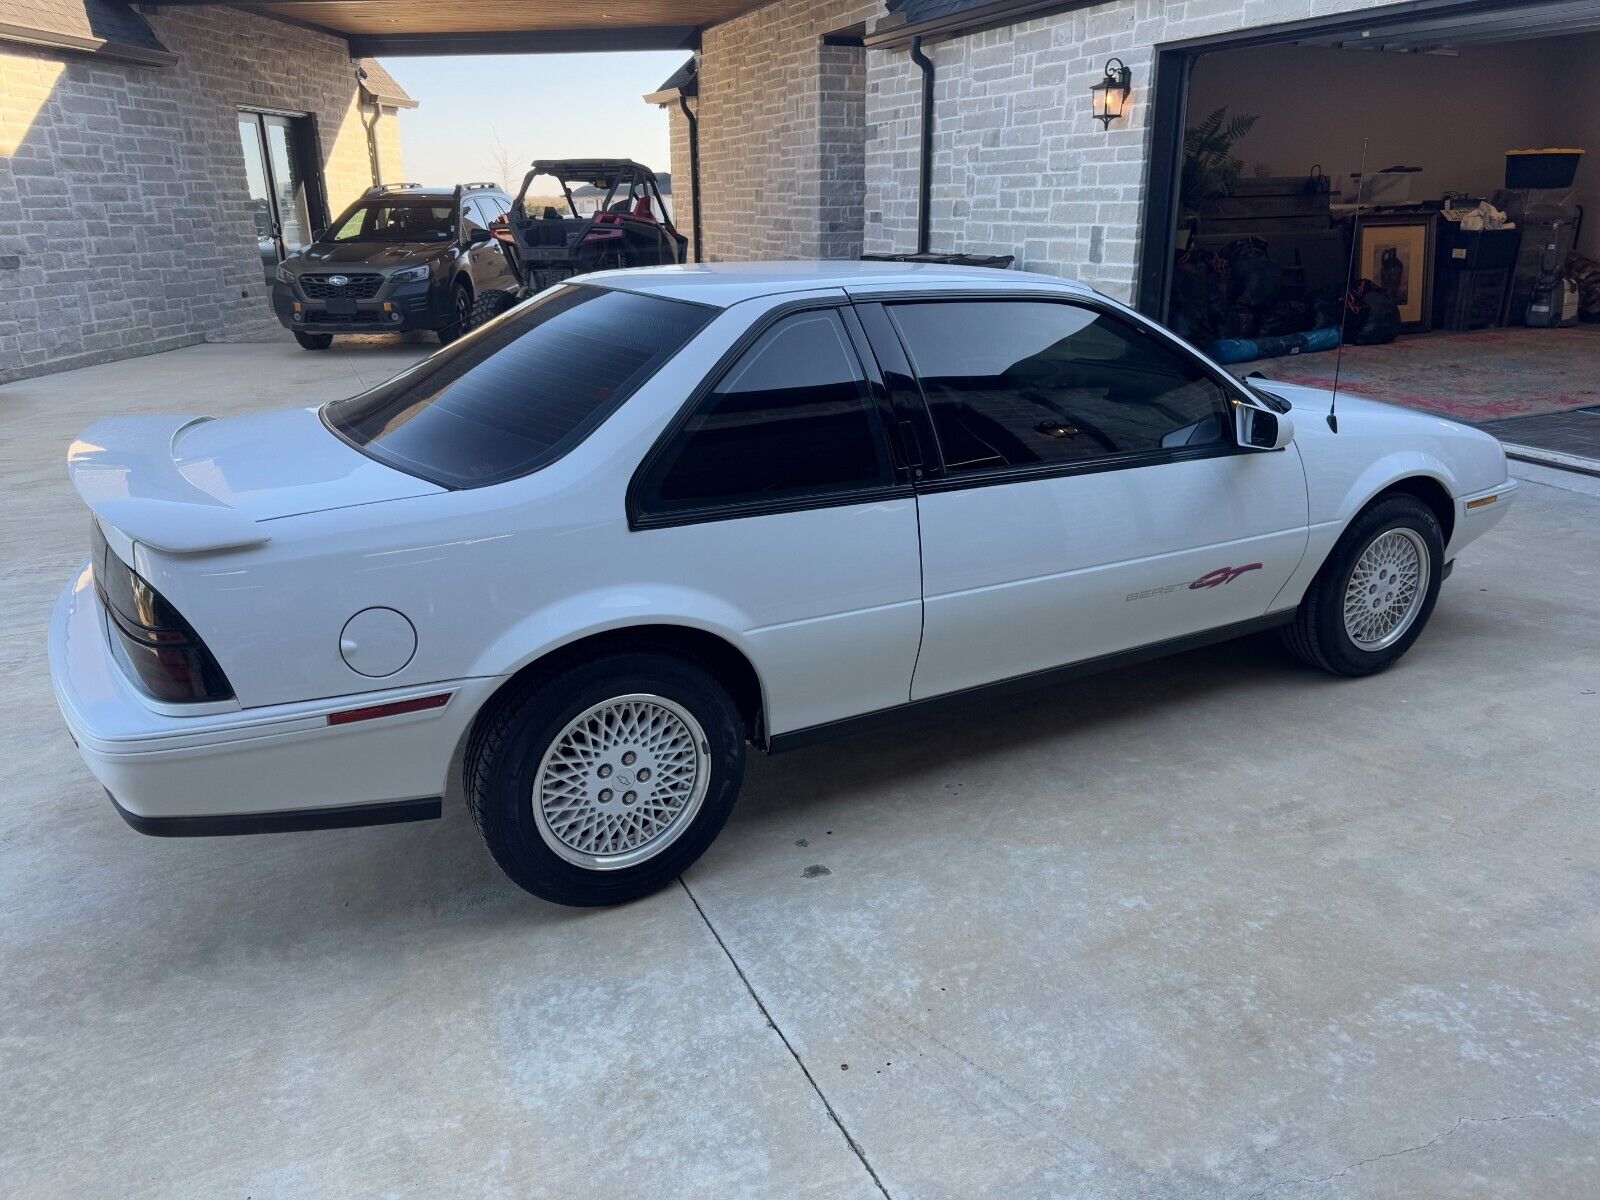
[(260, 770)]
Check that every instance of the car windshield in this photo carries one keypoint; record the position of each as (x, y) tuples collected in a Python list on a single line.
[(397, 221), (518, 393)]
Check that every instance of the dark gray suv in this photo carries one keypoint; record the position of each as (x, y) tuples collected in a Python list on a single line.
[(402, 257)]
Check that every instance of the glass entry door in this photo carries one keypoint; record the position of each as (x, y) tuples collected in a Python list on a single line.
[(284, 184)]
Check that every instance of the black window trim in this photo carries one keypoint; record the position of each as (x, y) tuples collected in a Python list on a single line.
[(937, 479), (641, 518)]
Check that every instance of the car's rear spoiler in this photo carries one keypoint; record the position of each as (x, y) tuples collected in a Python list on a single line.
[(125, 470)]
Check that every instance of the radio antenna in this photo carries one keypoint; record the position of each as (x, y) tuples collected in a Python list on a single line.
[(1349, 277)]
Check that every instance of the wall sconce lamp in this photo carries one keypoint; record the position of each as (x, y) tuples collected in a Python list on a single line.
[(1111, 93)]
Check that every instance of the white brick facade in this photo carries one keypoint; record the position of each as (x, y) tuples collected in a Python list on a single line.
[(782, 138), (125, 223), (1020, 166)]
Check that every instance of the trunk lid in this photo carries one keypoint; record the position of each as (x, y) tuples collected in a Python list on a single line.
[(187, 484)]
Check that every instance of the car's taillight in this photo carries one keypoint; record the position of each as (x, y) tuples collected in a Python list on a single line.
[(165, 653)]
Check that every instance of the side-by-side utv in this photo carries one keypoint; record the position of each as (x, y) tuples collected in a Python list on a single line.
[(588, 214)]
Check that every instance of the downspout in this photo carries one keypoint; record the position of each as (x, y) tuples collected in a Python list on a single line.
[(925, 173), (370, 127), (694, 168)]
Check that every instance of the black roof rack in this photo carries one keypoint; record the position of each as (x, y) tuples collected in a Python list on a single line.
[(476, 187), (378, 189)]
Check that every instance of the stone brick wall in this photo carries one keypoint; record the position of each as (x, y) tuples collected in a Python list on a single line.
[(842, 148), (1020, 166), (125, 226), (782, 142), (391, 160)]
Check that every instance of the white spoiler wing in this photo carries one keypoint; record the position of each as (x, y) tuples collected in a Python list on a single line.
[(125, 471)]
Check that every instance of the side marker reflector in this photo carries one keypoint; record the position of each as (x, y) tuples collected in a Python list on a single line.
[(1481, 501), (351, 715)]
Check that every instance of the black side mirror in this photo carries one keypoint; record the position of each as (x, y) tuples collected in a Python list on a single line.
[(478, 236), (318, 234)]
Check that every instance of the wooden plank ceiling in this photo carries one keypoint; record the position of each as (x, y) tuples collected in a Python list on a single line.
[(511, 26)]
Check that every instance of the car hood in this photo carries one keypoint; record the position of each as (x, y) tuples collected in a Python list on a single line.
[(188, 484), (368, 254)]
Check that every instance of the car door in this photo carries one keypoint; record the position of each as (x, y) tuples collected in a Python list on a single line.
[(776, 493), (492, 207), (1088, 496), (485, 259)]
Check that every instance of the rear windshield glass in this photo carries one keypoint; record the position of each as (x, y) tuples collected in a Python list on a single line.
[(521, 391), (397, 221)]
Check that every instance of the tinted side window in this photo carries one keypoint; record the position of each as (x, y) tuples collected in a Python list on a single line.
[(517, 394), (1028, 383), (792, 418)]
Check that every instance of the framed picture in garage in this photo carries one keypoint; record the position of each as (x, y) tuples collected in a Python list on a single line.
[(1396, 253)]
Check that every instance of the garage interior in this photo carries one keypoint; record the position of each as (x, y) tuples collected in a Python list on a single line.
[(1263, 225)]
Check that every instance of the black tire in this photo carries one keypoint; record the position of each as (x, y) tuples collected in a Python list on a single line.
[(1318, 636), (460, 314), (490, 305), (313, 341), (511, 738)]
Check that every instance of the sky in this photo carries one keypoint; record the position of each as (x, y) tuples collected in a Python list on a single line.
[(536, 105)]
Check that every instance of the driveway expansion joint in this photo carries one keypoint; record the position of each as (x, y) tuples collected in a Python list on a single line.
[(833, 1115)]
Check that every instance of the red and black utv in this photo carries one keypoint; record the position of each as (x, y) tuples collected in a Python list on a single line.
[(575, 215)]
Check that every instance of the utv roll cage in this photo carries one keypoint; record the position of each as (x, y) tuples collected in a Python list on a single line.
[(629, 227)]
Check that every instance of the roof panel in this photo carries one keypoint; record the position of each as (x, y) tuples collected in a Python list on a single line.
[(726, 283), (91, 25)]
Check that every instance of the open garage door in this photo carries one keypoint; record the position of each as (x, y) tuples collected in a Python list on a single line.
[(1428, 156)]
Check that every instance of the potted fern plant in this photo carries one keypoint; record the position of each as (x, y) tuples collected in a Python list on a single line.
[(1209, 167)]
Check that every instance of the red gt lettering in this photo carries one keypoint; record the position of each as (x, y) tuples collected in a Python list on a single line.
[(1222, 575)]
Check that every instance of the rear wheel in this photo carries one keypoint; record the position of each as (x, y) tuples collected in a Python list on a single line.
[(460, 314), (313, 341), (489, 306), (1375, 593), (606, 781)]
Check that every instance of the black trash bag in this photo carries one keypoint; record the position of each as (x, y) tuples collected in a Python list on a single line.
[(1241, 322), (1290, 314), (1327, 311), (1371, 316), (1254, 280), (1199, 295)]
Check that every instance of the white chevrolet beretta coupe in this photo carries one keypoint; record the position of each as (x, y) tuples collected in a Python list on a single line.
[(650, 516)]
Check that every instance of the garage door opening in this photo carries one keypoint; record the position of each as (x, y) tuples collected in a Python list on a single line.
[(1390, 155)]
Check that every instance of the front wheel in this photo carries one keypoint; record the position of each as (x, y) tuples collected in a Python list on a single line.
[(460, 314), (605, 782), (1375, 593), (313, 341)]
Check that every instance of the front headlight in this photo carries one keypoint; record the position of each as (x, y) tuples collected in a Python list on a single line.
[(284, 274), (409, 275)]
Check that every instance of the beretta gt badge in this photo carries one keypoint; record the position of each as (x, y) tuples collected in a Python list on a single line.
[(1211, 579)]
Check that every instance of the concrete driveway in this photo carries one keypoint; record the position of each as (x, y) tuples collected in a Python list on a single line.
[(1216, 927)]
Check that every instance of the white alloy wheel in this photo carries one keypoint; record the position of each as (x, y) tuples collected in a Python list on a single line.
[(621, 782), (1386, 590)]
